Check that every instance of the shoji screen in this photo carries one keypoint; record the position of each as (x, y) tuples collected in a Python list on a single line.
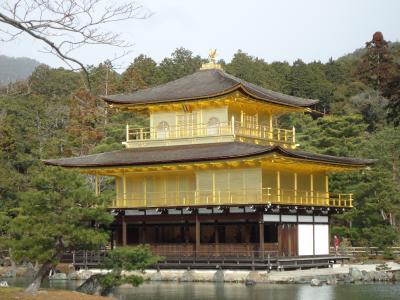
[(305, 239)]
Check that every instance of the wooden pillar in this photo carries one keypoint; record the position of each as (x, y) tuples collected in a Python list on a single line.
[(159, 234), (145, 191), (289, 239), (246, 231), (142, 233), (186, 232), (261, 234), (327, 189), (280, 239), (197, 249), (278, 185), (124, 238), (294, 137), (312, 188), (216, 237), (117, 192), (295, 188), (124, 188), (270, 129)]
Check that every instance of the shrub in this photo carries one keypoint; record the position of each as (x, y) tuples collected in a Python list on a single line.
[(388, 254)]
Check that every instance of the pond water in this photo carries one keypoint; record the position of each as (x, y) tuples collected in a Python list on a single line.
[(232, 291)]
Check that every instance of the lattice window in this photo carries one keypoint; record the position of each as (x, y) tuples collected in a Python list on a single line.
[(187, 124), (249, 121), (213, 126), (163, 130)]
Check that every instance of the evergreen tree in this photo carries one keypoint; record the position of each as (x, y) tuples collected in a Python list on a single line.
[(54, 82), (147, 70), (181, 63), (309, 81), (86, 119), (132, 80), (56, 214), (380, 70), (104, 79)]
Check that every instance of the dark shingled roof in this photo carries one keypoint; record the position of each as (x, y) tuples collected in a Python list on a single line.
[(195, 153), (205, 84)]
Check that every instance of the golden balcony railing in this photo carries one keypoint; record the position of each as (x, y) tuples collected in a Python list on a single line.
[(143, 136), (233, 197)]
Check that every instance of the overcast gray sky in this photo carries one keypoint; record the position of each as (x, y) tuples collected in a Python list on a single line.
[(272, 30)]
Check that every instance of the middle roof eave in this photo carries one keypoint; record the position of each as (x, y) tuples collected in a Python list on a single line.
[(196, 153)]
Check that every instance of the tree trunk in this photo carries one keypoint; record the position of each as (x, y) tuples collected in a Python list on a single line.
[(46, 267), (39, 276)]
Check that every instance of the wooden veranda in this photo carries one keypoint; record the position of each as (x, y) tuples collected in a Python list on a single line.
[(260, 260)]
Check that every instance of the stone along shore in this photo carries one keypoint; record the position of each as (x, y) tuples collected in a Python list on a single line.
[(338, 273)]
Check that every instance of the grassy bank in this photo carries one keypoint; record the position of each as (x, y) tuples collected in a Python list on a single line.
[(17, 293)]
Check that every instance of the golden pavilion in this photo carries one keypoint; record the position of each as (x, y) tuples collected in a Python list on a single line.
[(211, 173)]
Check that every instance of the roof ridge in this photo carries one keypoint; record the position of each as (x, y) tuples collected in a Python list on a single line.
[(151, 87), (243, 83)]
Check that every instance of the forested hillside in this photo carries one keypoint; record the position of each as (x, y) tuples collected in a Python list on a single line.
[(14, 69), (357, 116)]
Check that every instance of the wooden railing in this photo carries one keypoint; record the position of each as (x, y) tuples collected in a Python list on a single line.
[(141, 136), (273, 134), (233, 197), (266, 260)]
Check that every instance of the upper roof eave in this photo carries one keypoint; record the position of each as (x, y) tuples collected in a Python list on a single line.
[(205, 84)]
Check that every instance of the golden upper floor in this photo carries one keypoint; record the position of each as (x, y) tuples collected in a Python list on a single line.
[(227, 121), (225, 187), (209, 106)]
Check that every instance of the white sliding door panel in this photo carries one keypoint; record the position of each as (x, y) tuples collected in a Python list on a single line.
[(305, 239), (321, 239)]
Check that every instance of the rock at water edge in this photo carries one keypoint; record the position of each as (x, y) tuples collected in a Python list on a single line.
[(396, 275), (187, 276), (58, 276), (315, 282), (331, 280), (249, 282), (355, 274), (156, 276), (3, 284), (84, 275), (219, 276)]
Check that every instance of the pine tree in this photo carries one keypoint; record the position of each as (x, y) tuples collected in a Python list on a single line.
[(132, 80), (57, 214)]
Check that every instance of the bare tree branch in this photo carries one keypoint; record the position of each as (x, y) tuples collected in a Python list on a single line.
[(64, 26)]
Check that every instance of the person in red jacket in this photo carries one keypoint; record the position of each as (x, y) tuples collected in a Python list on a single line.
[(336, 243)]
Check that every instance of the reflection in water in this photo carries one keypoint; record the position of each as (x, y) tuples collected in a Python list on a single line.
[(211, 291), (306, 292), (236, 291)]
